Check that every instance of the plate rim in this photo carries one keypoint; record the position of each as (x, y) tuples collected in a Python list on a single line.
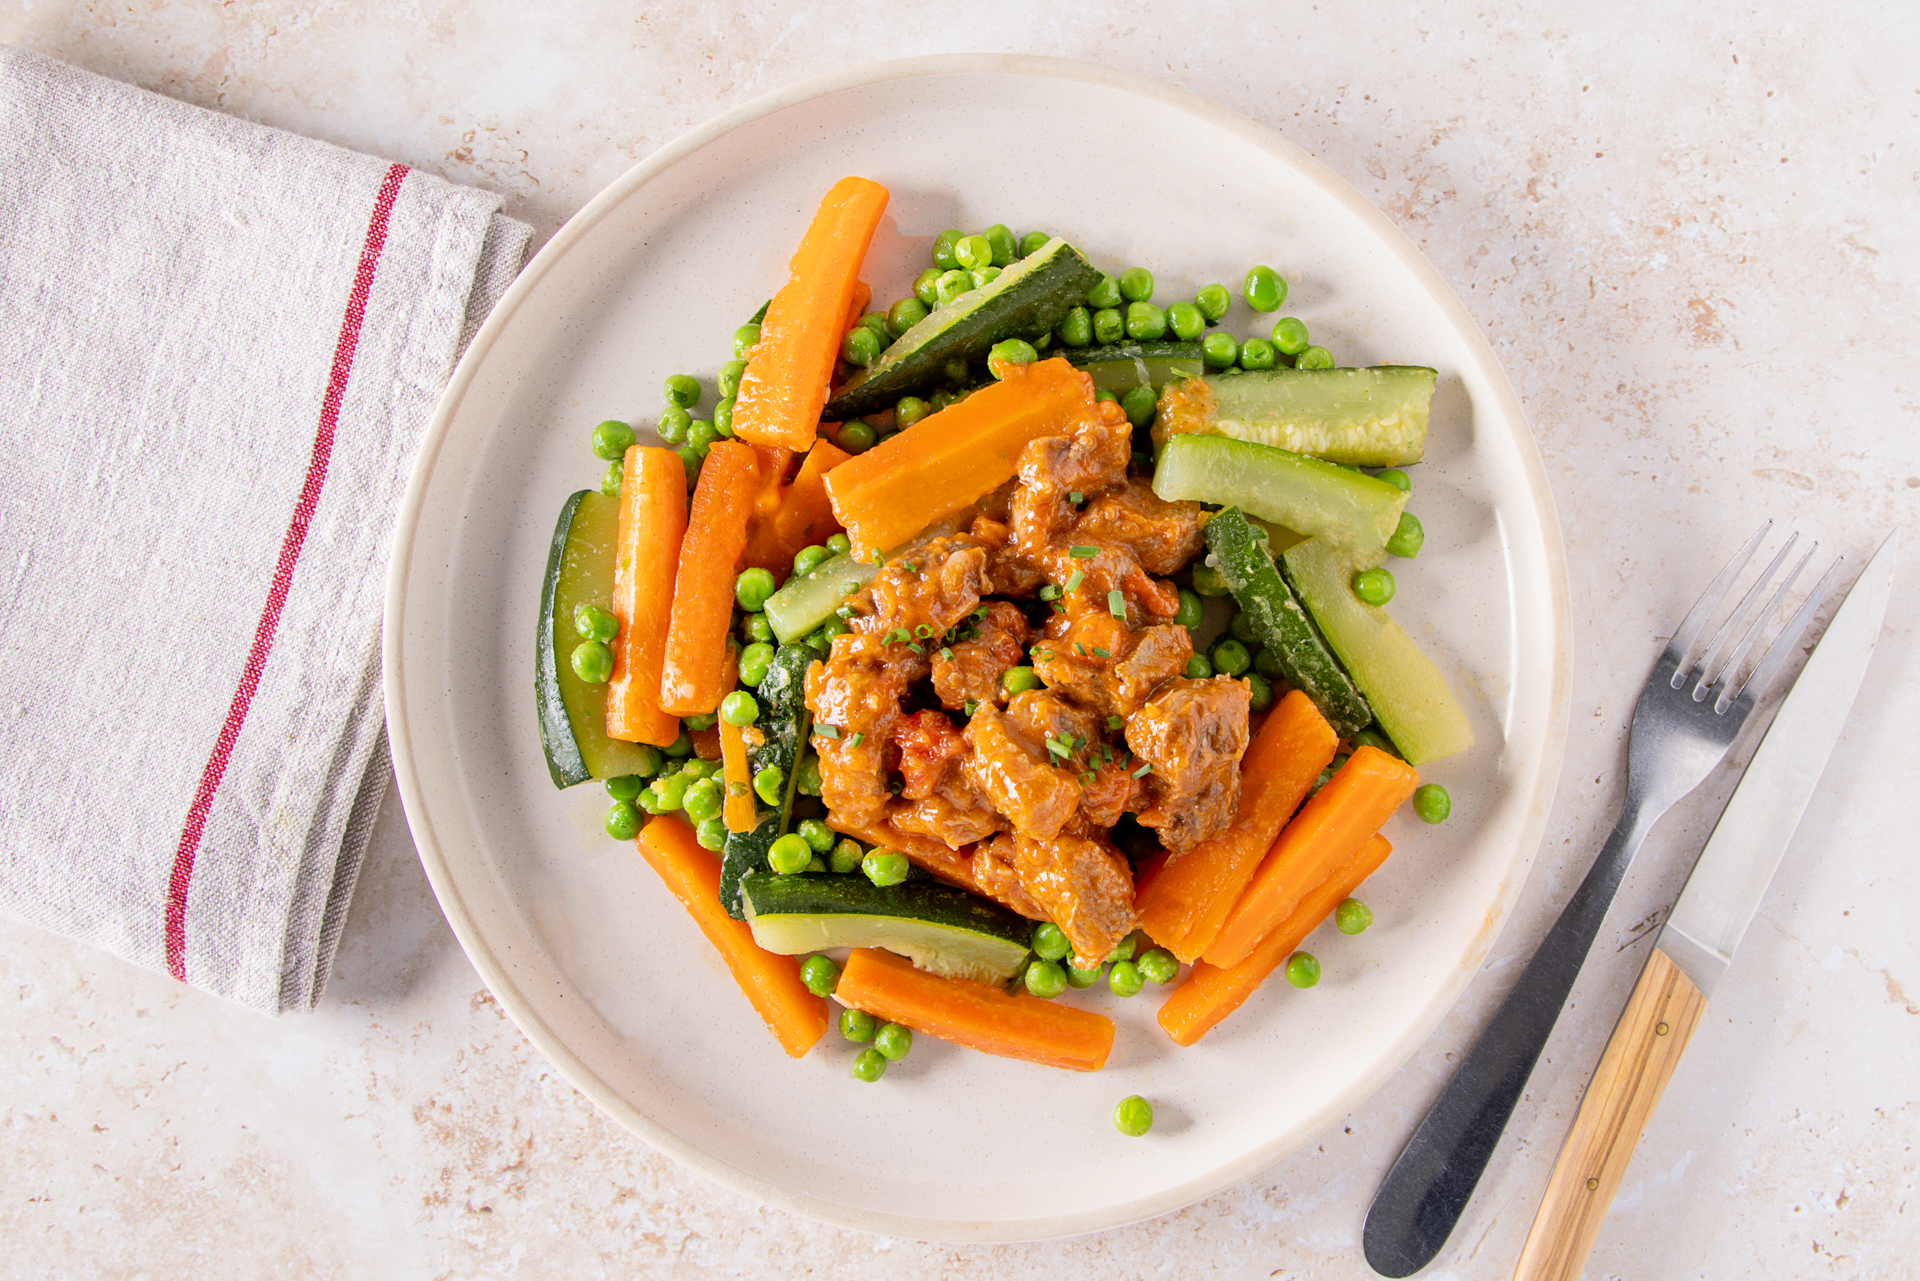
[(519, 1006)]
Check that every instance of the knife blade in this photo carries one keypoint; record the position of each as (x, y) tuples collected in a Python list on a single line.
[(1704, 929)]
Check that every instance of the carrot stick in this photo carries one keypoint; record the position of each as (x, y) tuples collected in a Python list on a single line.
[(974, 1014), (772, 982), (653, 520), (950, 459), (1322, 837), (787, 518), (691, 675), (785, 385), (1183, 904), (740, 812), (1210, 993)]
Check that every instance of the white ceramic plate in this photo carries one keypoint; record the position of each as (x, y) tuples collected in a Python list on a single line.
[(572, 932)]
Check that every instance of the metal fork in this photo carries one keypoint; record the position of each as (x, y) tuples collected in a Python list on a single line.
[(1687, 717)]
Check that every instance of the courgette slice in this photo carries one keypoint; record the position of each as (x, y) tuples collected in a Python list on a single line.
[(1124, 366), (1279, 623), (808, 600), (941, 929), (573, 713), (782, 726), (1306, 495), (1407, 692), (1028, 297), (1374, 417)]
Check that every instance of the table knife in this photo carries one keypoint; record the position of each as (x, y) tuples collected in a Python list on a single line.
[(1706, 925)]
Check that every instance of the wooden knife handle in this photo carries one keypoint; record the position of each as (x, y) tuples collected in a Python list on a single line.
[(1639, 1058)]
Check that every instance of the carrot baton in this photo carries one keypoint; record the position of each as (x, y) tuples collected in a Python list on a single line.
[(785, 384), (692, 675), (653, 521), (1209, 992), (1322, 837), (771, 981), (1183, 904)]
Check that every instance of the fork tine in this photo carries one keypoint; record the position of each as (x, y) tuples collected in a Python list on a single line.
[(1789, 637), (1703, 609), (1709, 666)]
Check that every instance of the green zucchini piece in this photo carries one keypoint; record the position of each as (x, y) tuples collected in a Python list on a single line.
[(1128, 365), (941, 929), (783, 724), (1374, 417), (1279, 623), (1028, 297), (1408, 694), (573, 713), (807, 601), (1307, 495)]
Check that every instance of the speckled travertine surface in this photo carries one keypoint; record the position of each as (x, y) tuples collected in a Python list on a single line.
[(1688, 233)]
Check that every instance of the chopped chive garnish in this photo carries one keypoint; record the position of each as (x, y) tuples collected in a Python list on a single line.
[(1080, 551), (1073, 584), (946, 655), (1114, 723), (915, 647), (856, 740), (1058, 748), (849, 587), (1075, 496), (1086, 779), (877, 558), (1144, 770), (981, 613), (924, 631), (909, 566), (1080, 649), (970, 706), (1049, 592), (827, 731), (1116, 604), (1100, 653), (1044, 655)]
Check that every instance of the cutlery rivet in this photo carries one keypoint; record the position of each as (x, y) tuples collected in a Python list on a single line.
[(1593, 1185), (1660, 1029)]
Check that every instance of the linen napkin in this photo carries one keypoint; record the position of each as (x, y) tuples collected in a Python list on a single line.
[(220, 345)]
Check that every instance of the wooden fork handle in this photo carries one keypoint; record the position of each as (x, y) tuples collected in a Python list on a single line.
[(1639, 1058)]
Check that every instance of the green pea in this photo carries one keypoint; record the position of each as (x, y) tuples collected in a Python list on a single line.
[(1302, 969), (789, 855), (592, 662), (856, 1025), (699, 723), (612, 478), (1136, 284), (1011, 351), (1198, 668), (711, 834), (670, 791), (1229, 657), (984, 276), (1105, 396), (739, 708), (806, 779), (690, 460), (876, 321), (1044, 979), (860, 347), (1190, 611), (1314, 358), (893, 1041), (1125, 948), (1213, 301), (1264, 289), (1157, 965), (1105, 294), (923, 286), (1109, 326), (1186, 322), (682, 746), (1080, 979), (818, 836), (612, 439), (1267, 663), (1133, 1116), (1001, 244), (745, 339), (647, 802), (1050, 942), (1220, 349), (839, 544), (683, 390), (756, 630), (1258, 353), (672, 425), (752, 587), (1240, 627), (701, 435), (770, 784), (1373, 586), (756, 660), (820, 975), (702, 799), (971, 252), (1289, 335), (622, 821), (810, 558), (943, 247), (1208, 581), (1075, 328), (1352, 916), (1260, 692), (885, 867), (1145, 322), (1409, 536), (626, 787), (1139, 403), (594, 623), (729, 379), (858, 436), (1371, 737), (1033, 242), (869, 1065), (1123, 979), (1395, 477), (846, 855), (904, 315), (1431, 803), (951, 285), (909, 410), (1017, 680)]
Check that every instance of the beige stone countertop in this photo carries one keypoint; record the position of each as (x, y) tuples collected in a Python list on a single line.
[(1690, 235)]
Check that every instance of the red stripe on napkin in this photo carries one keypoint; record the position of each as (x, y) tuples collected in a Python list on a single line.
[(296, 537)]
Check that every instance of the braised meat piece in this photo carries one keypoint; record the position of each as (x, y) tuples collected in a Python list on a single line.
[(993, 873), (928, 745), (954, 825), (1162, 536), (857, 691), (1063, 729), (1114, 791), (1103, 664), (1193, 733), (1157, 655), (1017, 776), (971, 671), (1084, 886), (921, 593)]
